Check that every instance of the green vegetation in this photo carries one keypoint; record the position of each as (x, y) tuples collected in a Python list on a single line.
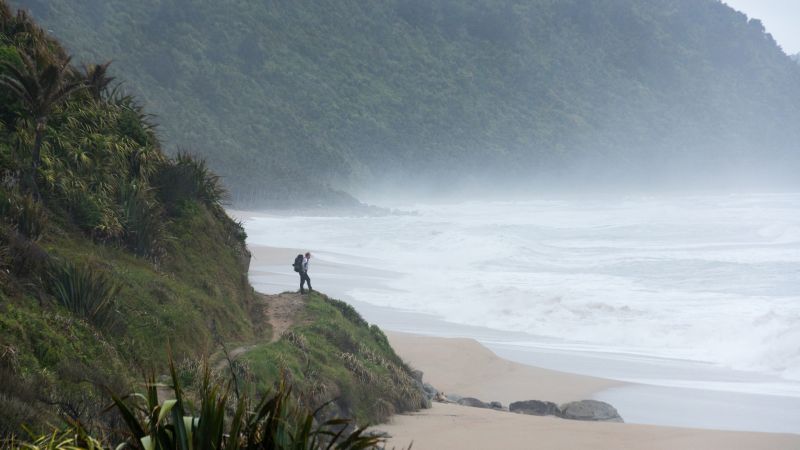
[(332, 353), (39, 87), (86, 292), (275, 422), (352, 94), (104, 258), (111, 253)]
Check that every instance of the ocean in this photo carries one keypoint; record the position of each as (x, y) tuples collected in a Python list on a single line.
[(712, 280)]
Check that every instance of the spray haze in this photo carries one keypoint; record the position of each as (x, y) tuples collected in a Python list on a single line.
[(708, 278)]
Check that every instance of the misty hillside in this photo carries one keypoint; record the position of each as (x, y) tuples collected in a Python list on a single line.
[(351, 93)]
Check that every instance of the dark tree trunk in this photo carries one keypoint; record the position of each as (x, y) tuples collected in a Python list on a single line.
[(36, 155)]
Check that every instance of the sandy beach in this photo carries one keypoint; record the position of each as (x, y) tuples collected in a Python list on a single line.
[(465, 367), (447, 426)]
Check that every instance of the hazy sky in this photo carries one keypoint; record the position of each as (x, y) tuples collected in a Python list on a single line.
[(781, 18)]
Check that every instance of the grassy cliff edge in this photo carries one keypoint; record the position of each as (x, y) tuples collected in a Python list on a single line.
[(116, 259)]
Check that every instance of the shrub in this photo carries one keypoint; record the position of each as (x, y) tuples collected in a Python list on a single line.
[(143, 162), (188, 178), (20, 255), (13, 412), (94, 215), (85, 291), (5, 251), (145, 228), (18, 395), (24, 213), (234, 230)]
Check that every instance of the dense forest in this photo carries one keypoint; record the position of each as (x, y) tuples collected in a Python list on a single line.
[(285, 99), (117, 260)]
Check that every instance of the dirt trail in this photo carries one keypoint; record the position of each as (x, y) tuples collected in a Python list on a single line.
[(280, 311)]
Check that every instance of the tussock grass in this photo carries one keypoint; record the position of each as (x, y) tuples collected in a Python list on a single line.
[(296, 339), (86, 291)]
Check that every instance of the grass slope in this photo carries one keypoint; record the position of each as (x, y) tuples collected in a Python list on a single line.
[(333, 354), (54, 362)]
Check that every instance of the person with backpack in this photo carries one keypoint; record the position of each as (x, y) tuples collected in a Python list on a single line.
[(301, 266)]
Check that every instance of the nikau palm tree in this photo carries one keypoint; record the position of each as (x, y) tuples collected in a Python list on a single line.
[(97, 79), (40, 88), (5, 15)]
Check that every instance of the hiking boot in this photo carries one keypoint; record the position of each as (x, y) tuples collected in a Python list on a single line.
[(302, 291)]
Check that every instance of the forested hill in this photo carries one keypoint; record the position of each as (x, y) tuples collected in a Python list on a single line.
[(351, 93)]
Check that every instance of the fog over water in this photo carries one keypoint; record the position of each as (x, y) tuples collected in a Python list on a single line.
[(705, 278)]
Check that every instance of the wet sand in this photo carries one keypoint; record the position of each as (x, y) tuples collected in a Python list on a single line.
[(465, 367)]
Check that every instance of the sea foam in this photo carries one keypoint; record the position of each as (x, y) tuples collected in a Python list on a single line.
[(703, 278)]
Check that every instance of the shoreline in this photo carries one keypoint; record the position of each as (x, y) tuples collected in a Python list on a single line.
[(269, 274), (466, 363), (467, 368), (488, 377), (448, 426)]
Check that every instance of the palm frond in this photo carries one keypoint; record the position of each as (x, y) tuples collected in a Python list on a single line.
[(40, 86), (96, 79), (189, 178)]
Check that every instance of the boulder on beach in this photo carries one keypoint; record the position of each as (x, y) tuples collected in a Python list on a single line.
[(430, 391), (592, 410), (495, 405), (473, 402), (426, 389), (455, 398), (535, 408)]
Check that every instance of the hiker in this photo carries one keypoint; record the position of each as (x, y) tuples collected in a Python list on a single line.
[(301, 267)]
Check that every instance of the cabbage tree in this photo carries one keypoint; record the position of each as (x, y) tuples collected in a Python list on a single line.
[(40, 87)]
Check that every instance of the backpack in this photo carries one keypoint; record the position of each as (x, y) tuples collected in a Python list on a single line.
[(298, 263)]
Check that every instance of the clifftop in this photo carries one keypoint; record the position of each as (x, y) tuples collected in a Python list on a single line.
[(114, 256)]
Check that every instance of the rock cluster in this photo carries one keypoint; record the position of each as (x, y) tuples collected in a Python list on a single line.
[(435, 395), (589, 410), (534, 408), (475, 403), (592, 410)]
